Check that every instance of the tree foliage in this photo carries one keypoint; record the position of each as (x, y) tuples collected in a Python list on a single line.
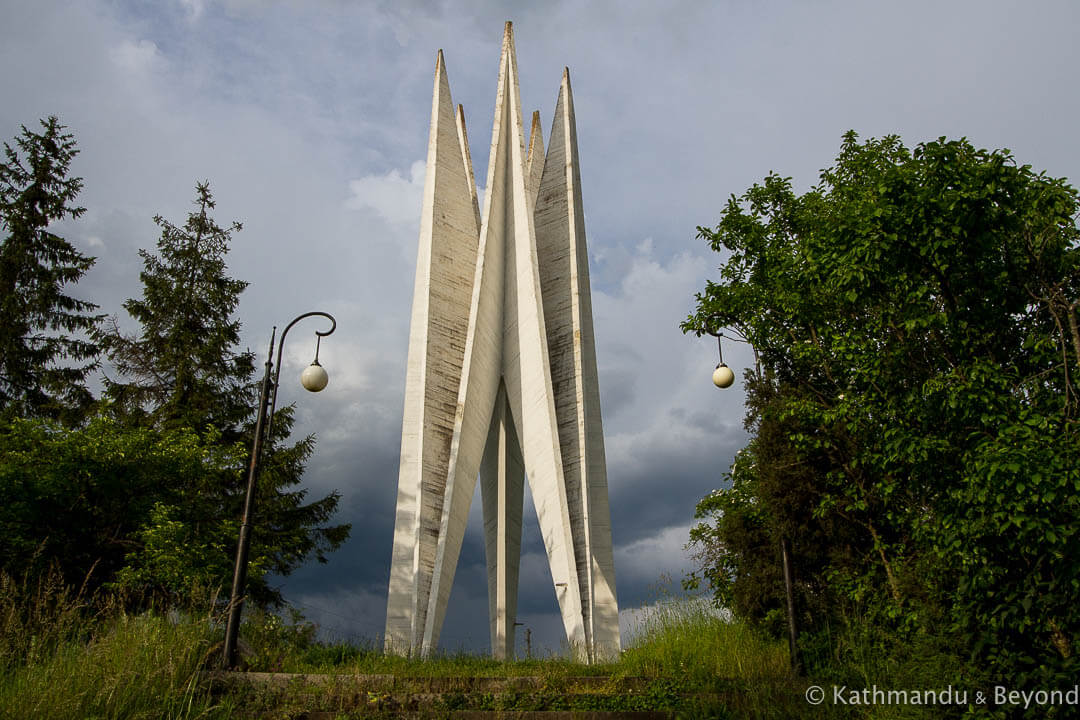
[(45, 350), (146, 493), (183, 370), (915, 402), (78, 499)]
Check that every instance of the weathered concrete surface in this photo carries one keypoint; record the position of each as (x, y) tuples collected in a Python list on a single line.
[(445, 267), (564, 280), (502, 484), (502, 381)]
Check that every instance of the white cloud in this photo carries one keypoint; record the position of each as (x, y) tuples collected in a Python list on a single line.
[(194, 8), (394, 197), (353, 365), (136, 56), (658, 399), (637, 331), (657, 560)]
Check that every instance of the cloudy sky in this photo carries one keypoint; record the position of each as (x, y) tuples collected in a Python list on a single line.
[(310, 121)]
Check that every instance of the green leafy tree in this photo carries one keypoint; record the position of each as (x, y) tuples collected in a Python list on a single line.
[(133, 508), (182, 370), (45, 348), (915, 320), (174, 562), (79, 499), (773, 494)]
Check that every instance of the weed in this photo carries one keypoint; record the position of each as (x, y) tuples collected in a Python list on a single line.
[(66, 655)]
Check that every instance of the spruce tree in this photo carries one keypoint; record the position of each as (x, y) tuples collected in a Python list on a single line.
[(182, 367), (183, 370), (46, 351)]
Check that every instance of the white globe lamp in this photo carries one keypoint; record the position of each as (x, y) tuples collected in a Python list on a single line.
[(314, 377), (723, 376)]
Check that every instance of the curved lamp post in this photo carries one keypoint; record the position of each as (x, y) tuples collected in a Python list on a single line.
[(314, 378), (723, 377)]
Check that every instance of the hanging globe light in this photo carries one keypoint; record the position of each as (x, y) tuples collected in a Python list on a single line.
[(722, 376), (314, 377)]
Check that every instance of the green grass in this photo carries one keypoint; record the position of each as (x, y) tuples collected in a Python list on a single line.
[(684, 647), (63, 655), (688, 639), (695, 660), (140, 666), (682, 638), (66, 656)]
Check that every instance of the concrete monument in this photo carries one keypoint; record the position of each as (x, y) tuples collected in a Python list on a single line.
[(501, 381)]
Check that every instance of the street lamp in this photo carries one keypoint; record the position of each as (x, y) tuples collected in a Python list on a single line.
[(314, 379), (722, 376)]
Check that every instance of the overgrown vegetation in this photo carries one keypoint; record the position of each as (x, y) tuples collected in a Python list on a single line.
[(140, 489), (689, 637), (67, 653), (914, 413), (87, 502)]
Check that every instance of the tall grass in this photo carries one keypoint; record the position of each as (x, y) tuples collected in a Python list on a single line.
[(687, 638), (35, 617), (63, 655), (684, 638), (67, 656)]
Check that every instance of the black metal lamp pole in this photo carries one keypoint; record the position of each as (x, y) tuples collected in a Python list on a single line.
[(267, 400)]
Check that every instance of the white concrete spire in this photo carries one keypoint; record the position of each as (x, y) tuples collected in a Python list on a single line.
[(534, 161), (526, 401), (445, 266), (559, 223)]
